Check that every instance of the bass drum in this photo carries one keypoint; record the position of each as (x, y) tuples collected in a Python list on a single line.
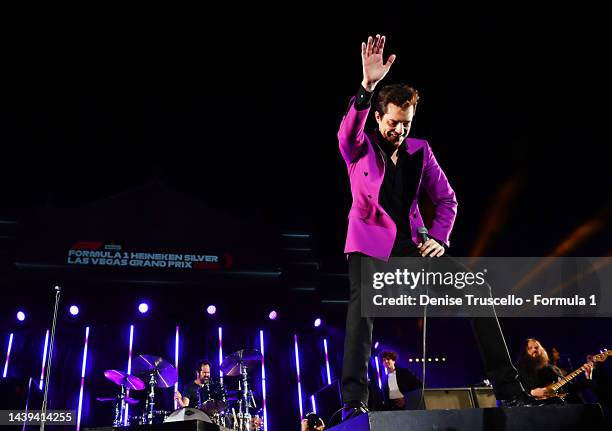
[(187, 414)]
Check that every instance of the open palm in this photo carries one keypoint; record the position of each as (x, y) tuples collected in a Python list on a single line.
[(374, 68)]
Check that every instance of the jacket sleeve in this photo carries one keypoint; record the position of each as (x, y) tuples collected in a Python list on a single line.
[(442, 196), (409, 381), (351, 132)]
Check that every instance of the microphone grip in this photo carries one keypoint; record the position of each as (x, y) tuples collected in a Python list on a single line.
[(423, 234)]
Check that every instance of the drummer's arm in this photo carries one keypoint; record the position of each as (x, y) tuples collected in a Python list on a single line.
[(181, 400)]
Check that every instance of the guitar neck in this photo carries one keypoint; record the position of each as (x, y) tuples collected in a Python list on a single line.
[(567, 379), (564, 380)]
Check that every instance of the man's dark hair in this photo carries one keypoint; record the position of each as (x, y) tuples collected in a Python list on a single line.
[(389, 355), (525, 361), (401, 95), (201, 362)]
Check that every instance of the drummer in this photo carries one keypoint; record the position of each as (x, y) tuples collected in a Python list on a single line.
[(189, 397)]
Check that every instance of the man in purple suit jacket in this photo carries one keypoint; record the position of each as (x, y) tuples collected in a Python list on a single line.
[(387, 171)]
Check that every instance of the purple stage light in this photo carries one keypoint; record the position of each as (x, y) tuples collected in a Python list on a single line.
[(327, 361), (376, 345), (143, 307), (176, 361), (220, 352), (44, 361), (317, 322), (8, 355), (263, 379), (83, 367), (21, 316), (378, 372), (273, 315), (129, 371), (313, 403), (211, 309), (74, 310), (297, 370)]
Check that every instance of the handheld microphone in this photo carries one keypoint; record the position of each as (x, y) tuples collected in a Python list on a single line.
[(422, 232)]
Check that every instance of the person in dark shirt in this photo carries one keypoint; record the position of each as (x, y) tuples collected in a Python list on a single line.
[(536, 373), (555, 357), (189, 397), (399, 382)]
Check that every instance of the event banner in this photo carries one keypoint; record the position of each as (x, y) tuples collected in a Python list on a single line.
[(480, 287), (100, 254)]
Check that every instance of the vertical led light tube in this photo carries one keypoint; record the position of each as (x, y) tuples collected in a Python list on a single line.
[(129, 371), (8, 355), (327, 361), (263, 379), (44, 361), (83, 367), (297, 369), (378, 372), (314, 404), (220, 352), (176, 362)]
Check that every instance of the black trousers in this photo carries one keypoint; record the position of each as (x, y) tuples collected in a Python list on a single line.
[(358, 346)]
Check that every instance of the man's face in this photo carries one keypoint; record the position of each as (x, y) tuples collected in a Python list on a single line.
[(395, 124), (534, 349), (204, 373), (388, 363), (555, 354)]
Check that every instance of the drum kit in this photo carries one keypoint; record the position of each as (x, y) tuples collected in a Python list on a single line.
[(234, 409)]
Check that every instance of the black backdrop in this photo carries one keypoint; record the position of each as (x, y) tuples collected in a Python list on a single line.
[(238, 106)]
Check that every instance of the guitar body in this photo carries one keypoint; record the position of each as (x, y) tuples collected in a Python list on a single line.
[(552, 399)]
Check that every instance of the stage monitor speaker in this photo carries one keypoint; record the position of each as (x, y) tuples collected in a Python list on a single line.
[(448, 398), (484, 397), (570, 417), (187, 414)]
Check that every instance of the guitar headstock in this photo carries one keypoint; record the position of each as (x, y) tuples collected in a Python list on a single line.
[(602, 356)]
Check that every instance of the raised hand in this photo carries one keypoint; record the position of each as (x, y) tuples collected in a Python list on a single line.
[(374, 69)]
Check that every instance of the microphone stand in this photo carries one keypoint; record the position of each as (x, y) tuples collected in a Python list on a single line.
[(424, 347), (49, 357), (424, 237)]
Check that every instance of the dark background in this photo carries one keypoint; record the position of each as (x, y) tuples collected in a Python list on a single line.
[(237, 108)]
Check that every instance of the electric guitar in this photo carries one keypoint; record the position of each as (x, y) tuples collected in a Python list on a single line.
[(555, 388)]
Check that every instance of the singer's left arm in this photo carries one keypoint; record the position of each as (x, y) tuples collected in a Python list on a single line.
[(442, 196)]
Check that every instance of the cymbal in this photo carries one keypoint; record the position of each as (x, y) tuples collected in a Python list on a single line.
[(108, 399), (124, 379), (166, 374), (249, 358)]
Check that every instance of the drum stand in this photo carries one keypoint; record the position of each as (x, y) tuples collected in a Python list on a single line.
[(245, 402), (120, 408), (150, 405)]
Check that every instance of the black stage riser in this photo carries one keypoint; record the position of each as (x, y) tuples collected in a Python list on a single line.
[(544, 418)]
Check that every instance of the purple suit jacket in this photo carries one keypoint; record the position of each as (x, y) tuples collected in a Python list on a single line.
[(371, 230)]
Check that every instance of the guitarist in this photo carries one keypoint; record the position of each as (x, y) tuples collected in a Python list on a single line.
[(535, 372)]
